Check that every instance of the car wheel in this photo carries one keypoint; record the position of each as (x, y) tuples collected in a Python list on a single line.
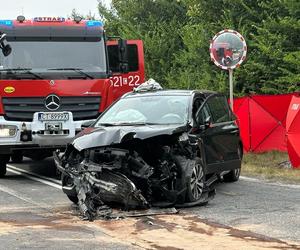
[(67, 181), (74, 199), (3, 160), (17, 157), (234, 174), (195, 182)]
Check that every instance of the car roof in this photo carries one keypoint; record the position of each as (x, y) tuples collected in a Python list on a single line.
[(169, 92)]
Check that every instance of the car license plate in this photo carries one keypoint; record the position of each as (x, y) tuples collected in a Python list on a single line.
[(53, 116)]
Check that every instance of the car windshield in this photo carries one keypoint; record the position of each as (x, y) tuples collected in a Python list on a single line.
[(147, 110), (53, 57)]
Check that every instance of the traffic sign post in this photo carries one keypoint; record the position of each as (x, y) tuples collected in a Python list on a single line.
[(228, 50), (231, 87)]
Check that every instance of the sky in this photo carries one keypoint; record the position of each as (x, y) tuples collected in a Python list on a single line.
[(10, 9)]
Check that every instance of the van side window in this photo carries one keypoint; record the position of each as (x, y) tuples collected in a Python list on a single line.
[(113, 57), (219, 109)]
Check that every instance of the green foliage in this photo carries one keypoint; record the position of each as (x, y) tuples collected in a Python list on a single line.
[(176, 37), (88, 16)]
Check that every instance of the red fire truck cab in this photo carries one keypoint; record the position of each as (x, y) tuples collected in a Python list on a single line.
[(60, 75)]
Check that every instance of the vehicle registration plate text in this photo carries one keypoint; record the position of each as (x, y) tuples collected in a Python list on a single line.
[(61, 116)]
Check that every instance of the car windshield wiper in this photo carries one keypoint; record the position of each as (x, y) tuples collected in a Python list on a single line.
[(74, 69), (105, 124), (127, 124), (25, 70)]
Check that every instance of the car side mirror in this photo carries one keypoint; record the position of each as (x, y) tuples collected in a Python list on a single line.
[(207, 123)]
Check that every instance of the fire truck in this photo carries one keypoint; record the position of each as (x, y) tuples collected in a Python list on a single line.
[(60, 75)]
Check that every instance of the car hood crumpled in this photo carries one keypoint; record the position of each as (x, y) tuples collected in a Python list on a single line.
[(104, 136)]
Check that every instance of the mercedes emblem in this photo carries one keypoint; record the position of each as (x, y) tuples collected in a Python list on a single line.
[(52, 102)]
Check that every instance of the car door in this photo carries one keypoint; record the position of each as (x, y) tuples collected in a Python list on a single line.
[(219, 133)]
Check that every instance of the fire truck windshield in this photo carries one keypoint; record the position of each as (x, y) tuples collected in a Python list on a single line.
[(62, 58)]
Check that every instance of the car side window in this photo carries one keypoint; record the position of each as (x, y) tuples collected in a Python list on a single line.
[(204, 115), (219, 109)]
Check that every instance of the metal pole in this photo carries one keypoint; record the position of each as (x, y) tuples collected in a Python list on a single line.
[(231, 87)]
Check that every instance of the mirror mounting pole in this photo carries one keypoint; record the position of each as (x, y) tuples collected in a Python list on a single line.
[(231, 87)]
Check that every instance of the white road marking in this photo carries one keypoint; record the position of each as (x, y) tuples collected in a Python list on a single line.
[(57, 184), (251, 179), (21, 197), (45, 180), (34, 174)]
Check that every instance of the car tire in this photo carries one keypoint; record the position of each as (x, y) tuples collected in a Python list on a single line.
[(74, 199), (67, 181), (17, 157), (195, 181), (234, 174), (3, 161)]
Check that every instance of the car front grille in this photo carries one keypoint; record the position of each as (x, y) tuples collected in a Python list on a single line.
[(23, 108)]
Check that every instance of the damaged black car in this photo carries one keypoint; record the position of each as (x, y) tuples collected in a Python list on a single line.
[(153, 148)]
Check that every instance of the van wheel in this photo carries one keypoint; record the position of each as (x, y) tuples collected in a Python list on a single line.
[(3, 160)]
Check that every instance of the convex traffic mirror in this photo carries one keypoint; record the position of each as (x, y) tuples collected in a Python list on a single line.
[(228, 49)]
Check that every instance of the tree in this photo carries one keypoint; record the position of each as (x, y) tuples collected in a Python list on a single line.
[(157, 23), (176, 35), (88, 16)]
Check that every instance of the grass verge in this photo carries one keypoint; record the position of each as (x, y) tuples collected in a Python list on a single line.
[(270, 166)]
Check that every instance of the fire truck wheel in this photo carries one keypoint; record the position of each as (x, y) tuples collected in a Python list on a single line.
[(3, 160), (17, 157)]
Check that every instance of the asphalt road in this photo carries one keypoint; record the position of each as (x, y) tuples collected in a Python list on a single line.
[(266, 208), (272, 211), (33, 215)]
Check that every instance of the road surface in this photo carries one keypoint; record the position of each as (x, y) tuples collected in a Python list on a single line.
[(249, 214)]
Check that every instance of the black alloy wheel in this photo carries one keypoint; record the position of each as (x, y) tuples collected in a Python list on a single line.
[(195, 182)]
